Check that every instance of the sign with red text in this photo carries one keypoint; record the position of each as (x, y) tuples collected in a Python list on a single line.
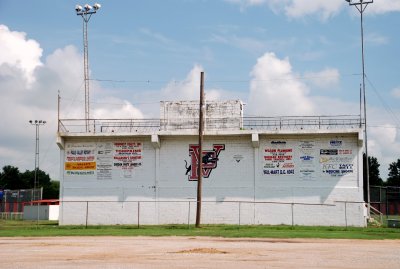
[(278, 159), (127, 156), (80, 159)]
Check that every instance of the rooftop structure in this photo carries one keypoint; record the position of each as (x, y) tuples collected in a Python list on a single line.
[(183, 116)]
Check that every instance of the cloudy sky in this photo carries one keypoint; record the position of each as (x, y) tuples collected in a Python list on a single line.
[(281, 57)]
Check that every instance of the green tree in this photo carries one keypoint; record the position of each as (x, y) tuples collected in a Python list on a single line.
[(374, 174), (10, 178), (28, 177), (374, 177), (52, 191), (394, 174)]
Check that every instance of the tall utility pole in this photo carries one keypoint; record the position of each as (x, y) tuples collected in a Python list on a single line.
[(200, 161), (86, 13), (361, 5), (37, 124)]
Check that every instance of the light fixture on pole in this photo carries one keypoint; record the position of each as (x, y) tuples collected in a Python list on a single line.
[(37, 124), (361, 5), (86, 13)]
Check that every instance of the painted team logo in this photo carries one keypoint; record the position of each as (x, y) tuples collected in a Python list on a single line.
[(209, 159)]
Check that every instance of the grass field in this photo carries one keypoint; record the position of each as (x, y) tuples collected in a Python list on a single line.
[(13, 228)]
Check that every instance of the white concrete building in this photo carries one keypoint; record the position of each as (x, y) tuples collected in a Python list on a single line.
[(297, 170)]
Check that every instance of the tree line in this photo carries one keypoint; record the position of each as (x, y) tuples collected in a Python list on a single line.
[(374, 173), (12, 179)]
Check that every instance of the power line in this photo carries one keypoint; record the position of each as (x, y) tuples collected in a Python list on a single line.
[(148, 81), (115, 103), (386, 106), (384, 126), (77, 91)]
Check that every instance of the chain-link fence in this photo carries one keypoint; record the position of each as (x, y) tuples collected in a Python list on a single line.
[(386, 199), (12, 202)]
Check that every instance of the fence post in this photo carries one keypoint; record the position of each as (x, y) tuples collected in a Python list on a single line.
[(38, 215), (387, 203), (345, 212), (292, 215), (239, 212), (138, 214), (189, 216), (87, 213), (319, 122)]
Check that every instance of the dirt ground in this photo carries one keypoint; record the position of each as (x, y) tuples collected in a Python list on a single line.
[(196, 252)]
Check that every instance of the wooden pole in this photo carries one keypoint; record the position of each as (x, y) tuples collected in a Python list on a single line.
[(58, 112), (200, 161)]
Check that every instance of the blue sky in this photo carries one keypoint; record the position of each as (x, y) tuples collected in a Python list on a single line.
[(281, 57)]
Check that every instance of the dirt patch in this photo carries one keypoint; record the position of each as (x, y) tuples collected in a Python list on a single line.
[(196, 252), (269, 240), (203, 251)]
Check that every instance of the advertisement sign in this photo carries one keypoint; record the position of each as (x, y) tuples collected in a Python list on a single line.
[(127, 156), (80, 159), (307, 160), (337, 160), (278, 159), (104, 160)]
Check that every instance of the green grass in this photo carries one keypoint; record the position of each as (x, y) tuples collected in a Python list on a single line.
[(14, 228), (391, 217)]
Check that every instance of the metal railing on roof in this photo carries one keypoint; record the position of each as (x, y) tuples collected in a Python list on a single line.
[(146, 126), (302, 122)]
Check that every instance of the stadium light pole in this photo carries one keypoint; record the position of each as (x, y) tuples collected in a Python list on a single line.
[(37, 124), (86, 13), (361, 5)]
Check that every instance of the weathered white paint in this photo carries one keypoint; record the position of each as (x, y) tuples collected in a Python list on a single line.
[(245, 185), (236, 191), (180, 115)]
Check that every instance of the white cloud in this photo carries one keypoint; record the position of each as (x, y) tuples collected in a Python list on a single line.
[(324, 79), (384, 144), (247, 3), (57, 64), (384, 6), (296, 8), (275, 90), (376, 39), (245, 43), (189, 88), (123, 111), (156, 36), (396, 92), (31, 88), (324, 9), (19, 52), (253, 45)]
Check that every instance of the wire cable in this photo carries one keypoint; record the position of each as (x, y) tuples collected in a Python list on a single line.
[(386, 106)]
